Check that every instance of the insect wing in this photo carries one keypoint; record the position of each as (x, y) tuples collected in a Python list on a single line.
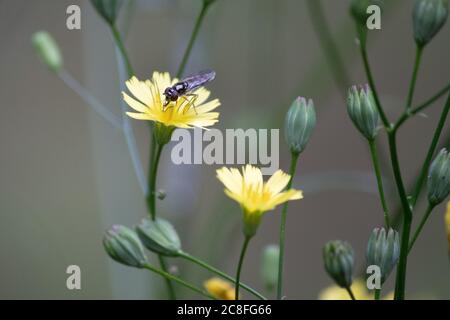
[(199, 79)]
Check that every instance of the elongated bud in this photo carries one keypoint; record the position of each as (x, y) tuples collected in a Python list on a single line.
[(383, 250), (358, 10), (47, 50), (339, 261), (439, 178), (363, 111), (269, 266), (299, 124), (123, 245), (428, 18), (159, 236), (219, 288), (108, 9)]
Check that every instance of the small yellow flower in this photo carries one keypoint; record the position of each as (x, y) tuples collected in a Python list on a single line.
[(447, 223), (253, 194), (149, 100), (220, 288), (359, 289)]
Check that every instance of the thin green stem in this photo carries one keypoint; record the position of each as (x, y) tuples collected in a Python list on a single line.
[(407, 218), (431, 150), (412, 85), (329, 46), (170, 288), (377, 294), (194, 34), (239, 267), (431, 100), (350, 293), (151, 198), (170, 277), (293, 166), (376, 166), (220, 273), (421, 225), (123, 51), (365, 58)]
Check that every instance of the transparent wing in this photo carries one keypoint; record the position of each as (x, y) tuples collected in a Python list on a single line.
[(195, 81)]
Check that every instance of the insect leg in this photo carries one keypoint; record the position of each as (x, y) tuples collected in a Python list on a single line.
[(194, 98)]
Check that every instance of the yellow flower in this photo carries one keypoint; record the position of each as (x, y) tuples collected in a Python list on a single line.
[(447, 223), (219, 288), (253, 194), (359, 289), (149, 101)]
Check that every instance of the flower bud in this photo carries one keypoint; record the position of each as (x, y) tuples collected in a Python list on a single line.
[(47, 50), (108, 9), (383, 250), (269, 266), (358, 9), (428, 18), (439, 178), (159, 236), (339, 261), (219, 288), (363, 111), (123, 245), (299, 124)]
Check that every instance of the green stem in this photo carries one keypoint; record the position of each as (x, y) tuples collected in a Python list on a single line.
[(170, 288), (220, 273), (431, 150), (377, 294), (239, 267), (123, 51), (170, 277), (329, 47), (151, 198), (376, 165), (412, 85), (350, 292), (421, 225), (430, 101), (365, 58), (191, 42), (293, 166), (407, 219)]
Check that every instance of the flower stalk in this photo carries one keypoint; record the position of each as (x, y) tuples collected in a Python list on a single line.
[(239, 267)]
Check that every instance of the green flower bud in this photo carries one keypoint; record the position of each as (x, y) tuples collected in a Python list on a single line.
[(383, 250), (108, 9), (358, 9), (299, 124), (123, 245), (269, 266), (339, 261), (439, 178), (159, 236), (363, 111), (47, 50), (428, 18)]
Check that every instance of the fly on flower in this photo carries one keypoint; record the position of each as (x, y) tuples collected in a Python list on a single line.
[(187, 85)]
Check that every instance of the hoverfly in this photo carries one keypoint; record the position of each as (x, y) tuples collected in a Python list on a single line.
[(185, 87)]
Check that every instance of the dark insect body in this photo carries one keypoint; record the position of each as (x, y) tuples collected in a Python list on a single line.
[(187, 85)]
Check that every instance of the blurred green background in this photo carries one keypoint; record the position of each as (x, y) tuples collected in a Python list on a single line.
[(66, 175)]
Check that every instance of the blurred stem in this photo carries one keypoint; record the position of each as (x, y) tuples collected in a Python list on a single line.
[(430, 101), (123, 51), (350, 292), (377, 294), (329, 46), (195, 31), (293, 166), (208, 267), (239, 267), (421, 225), (412, 85), (376, 166), (170, 277)]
